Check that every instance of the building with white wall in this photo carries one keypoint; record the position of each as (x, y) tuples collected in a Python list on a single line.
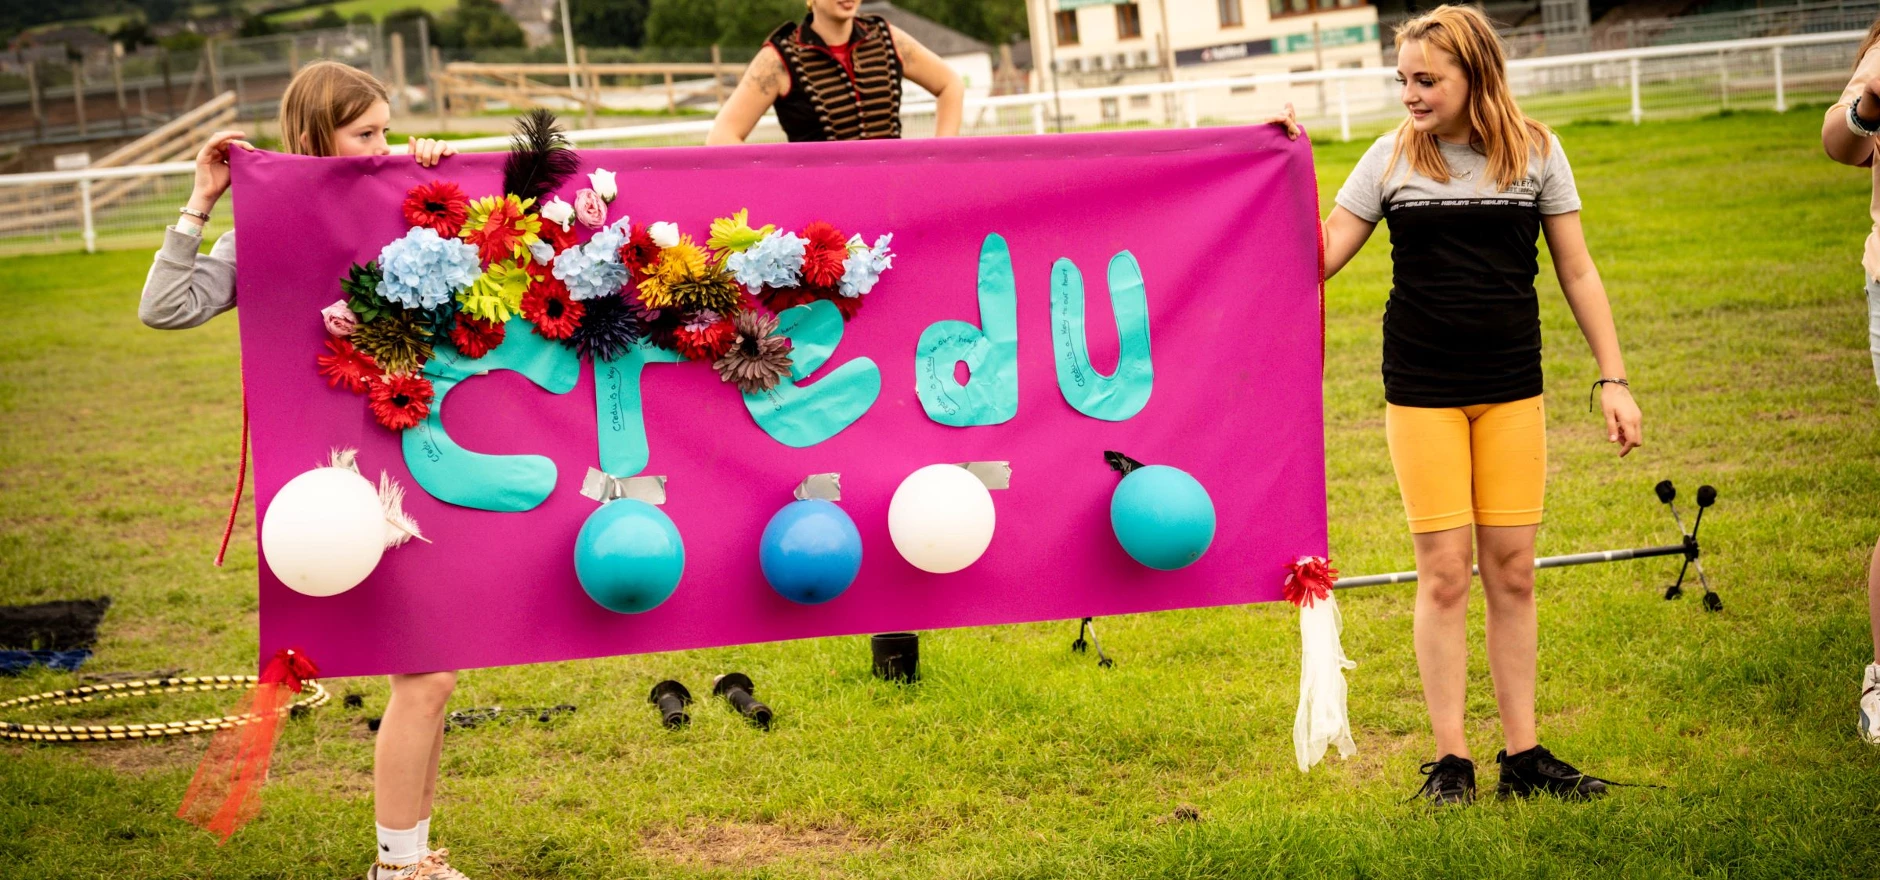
[(1088, 43)]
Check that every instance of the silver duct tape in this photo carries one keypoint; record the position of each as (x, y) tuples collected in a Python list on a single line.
[(827, 487), (995, 474), (604, 487)]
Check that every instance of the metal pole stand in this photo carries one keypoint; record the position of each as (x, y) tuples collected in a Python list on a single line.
[(1089, 624), (1706, 496)]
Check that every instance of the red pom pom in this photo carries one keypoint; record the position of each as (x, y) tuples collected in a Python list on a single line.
[(347, 365), (401, 401), (440, 205), (474, 337), (1310, 580), (822, 258)]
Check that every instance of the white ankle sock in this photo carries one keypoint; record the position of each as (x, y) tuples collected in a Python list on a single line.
[(424, 833), (404, 847)]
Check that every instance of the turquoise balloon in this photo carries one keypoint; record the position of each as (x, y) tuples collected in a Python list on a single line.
[(628, 556), (1163, 517), (810, 552)]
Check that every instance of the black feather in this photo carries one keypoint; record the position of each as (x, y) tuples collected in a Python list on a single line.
[(540, 160)]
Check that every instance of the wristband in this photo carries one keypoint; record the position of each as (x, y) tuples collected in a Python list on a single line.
[(1858, 125), (1595, 390)]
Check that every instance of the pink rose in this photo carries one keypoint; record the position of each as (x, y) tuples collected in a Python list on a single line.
[(590, 209), (339, 318)]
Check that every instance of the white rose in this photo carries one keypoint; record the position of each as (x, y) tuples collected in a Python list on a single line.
[(603, 184), (559, 212), (664, 234)]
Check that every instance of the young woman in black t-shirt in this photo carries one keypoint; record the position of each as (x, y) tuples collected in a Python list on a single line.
[(1467, 183)]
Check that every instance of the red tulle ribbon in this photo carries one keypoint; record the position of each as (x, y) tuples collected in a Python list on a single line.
[(226, 792), (1310, 580)]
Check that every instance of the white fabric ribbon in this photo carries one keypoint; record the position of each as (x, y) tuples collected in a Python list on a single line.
[(1323, 720)]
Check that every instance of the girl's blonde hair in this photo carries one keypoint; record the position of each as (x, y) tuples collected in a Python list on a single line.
[(1873, 36), (321, 99), (1506, 135)]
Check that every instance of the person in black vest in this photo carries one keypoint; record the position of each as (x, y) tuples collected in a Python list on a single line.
[(836, 76)]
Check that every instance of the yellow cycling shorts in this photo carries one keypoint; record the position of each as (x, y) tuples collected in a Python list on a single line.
[(1484, 464)]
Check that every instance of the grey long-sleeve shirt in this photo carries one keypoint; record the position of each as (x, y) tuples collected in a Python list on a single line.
[(186, 288)]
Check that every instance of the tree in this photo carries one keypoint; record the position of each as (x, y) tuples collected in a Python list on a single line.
[(608, 22), (254, 26), (693, 24), (132, 33), (479, 24), (327, 19)]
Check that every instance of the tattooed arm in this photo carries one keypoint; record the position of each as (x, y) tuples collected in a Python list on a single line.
[(926, 69), (764, 82)]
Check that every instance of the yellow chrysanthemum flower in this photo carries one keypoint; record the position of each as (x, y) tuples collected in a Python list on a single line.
[(734, 233)]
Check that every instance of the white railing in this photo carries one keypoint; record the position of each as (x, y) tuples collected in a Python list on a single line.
[(1659, 81)]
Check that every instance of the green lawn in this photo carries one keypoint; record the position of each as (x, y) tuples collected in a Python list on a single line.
[(1730, 246), (349, 8)]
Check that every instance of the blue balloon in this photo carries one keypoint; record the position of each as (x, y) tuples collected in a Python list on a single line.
[(810, 552), (628, 556), (1163, 517)]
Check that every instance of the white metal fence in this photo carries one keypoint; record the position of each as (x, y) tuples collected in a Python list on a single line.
[(1775, 73)]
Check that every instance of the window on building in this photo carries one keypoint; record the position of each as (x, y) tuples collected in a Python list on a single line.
[(1128, 21), (1280, 8), (1111, 112), (1230, 12), (1067, 28)]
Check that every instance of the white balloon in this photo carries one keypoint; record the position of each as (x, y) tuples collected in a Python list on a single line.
[(941, 518), (324, 531)]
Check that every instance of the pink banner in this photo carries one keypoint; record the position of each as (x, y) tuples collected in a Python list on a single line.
[(1222, 223)]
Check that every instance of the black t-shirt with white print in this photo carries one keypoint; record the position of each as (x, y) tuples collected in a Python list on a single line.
[(1462, 326)]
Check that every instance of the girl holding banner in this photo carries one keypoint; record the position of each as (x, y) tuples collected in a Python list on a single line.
[(1468, 182), (329, 109), (1848, 135)]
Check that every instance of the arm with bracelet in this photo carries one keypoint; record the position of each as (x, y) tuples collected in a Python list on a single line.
[(186, 287), (1851, 124)]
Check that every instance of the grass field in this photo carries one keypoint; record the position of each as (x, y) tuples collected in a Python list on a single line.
[(375, 8), (1730, 246)]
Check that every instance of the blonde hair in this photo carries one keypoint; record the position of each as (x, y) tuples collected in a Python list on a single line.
[(1506, 135), (1873, 36), (322, 98)]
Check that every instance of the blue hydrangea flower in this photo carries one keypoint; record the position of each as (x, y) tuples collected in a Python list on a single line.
[(775, 261), (864, 266), (542, 251), (424, 271), (594, 269)]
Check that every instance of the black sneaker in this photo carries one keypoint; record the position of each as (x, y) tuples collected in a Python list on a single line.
[(1450, 780), (1537, 770)]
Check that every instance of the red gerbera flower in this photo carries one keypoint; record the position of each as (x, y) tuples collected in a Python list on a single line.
[(847, 305), (706, 337), (401, 401), (822, 259), (548, 306), (778, 300), (474, 337), (439, 205), (558, 238), (347, 365), (639, 253)]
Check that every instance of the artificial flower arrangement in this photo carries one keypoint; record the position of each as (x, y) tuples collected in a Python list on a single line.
[(468, 267)]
